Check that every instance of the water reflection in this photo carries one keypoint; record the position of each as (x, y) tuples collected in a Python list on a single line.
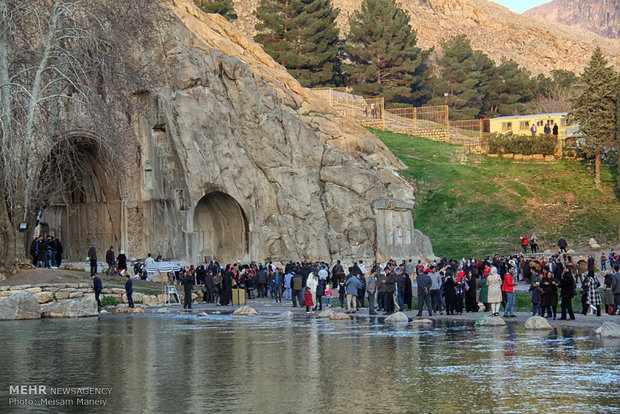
[(169, 363)]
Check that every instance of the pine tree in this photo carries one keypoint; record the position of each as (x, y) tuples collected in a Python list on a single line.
[(302, 36), (384, 59), (595, 107), (511, 91), (459, 79), (224, 7)]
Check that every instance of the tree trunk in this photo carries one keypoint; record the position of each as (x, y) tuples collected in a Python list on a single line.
[(597, 171)]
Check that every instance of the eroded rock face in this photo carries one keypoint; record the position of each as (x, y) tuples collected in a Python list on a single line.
[(72, 308), (537, 323), (289, 185), (235, 161), (598, 16), (20, 305), (539, 46)]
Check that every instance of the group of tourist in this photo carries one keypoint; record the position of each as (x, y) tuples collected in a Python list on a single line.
[(450, 286), (46, 252), (532, 242)]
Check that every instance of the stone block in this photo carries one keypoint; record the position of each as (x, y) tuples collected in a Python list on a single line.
[(44, 297), (20, 305), (537, 323)]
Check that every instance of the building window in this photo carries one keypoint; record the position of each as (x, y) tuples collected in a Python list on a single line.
[(524, 125), (506, 126)]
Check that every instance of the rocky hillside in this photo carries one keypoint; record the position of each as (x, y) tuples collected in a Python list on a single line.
[(536, 45), (599, 16)]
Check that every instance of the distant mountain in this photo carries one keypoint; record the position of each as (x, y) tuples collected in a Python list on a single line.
[(535, 45), (598, 16)]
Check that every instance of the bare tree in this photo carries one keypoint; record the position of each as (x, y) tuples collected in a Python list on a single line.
[(556, 101), (66, 76)]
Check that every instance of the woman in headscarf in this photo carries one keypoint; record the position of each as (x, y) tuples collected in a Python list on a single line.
[(470, 296), (227, 279), (449, 293), (312, 282), (461, 289), (495, 291), (549, 299), (484, 290)]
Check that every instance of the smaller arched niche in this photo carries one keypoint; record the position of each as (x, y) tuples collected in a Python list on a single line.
[(220, 228)]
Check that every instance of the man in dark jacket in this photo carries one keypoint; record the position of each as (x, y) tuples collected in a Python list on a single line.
[(188, 287), (209, 287), (97, 287), (110, 259), (262, 277), (129, 290), (92, 257), (297, 288), (390, 288), (567, 291), (424, 293)]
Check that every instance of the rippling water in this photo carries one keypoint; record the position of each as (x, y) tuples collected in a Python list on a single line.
[(169, 363)]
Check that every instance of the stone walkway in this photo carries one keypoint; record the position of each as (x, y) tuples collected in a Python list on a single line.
[(267, 306)]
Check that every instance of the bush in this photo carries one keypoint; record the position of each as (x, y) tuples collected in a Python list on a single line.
[(520, 144), (109, 301)]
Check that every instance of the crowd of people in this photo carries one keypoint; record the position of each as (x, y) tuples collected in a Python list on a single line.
[(46, 252), (449, 286)]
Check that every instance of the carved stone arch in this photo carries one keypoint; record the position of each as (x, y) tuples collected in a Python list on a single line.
[(220, 228)]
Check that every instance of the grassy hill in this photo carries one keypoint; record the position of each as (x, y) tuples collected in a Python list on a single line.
[(475, 204)]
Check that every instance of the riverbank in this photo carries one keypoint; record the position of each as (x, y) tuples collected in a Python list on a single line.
[(266, 307)]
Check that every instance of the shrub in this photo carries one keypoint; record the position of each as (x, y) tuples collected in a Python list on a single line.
[(109, 301), (520, 144)]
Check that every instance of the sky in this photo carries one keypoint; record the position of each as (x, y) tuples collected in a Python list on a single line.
[(519, 6)]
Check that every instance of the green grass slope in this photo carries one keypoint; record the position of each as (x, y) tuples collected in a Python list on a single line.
[(474, 204)]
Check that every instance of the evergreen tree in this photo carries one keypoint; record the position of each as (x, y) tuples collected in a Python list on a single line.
[(459, 79), (302, 36), (595, 107), (224, 7), (384, 59), (512, 89)]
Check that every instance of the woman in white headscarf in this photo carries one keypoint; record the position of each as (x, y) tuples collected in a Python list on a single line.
[(495, 291), (312, 283)]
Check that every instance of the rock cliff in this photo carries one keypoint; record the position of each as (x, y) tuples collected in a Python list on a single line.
[(598, 16), (539, 46), (234, 160)]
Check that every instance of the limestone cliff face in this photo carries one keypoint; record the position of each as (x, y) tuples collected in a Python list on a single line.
[(536, 45), (233, 150), (598, 16)]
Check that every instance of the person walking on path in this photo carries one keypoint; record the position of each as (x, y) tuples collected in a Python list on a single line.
[(495, 291), (97, 287), (508, 288), (92, 257), (352, 285), (110, 259), (562, 245), (129, 290)]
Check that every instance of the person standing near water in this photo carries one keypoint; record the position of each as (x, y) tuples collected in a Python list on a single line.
[(495, 291), (188, 287), (97, 287), (129, 290)]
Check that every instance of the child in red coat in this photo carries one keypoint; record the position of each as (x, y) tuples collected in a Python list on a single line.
[(308, 300)]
